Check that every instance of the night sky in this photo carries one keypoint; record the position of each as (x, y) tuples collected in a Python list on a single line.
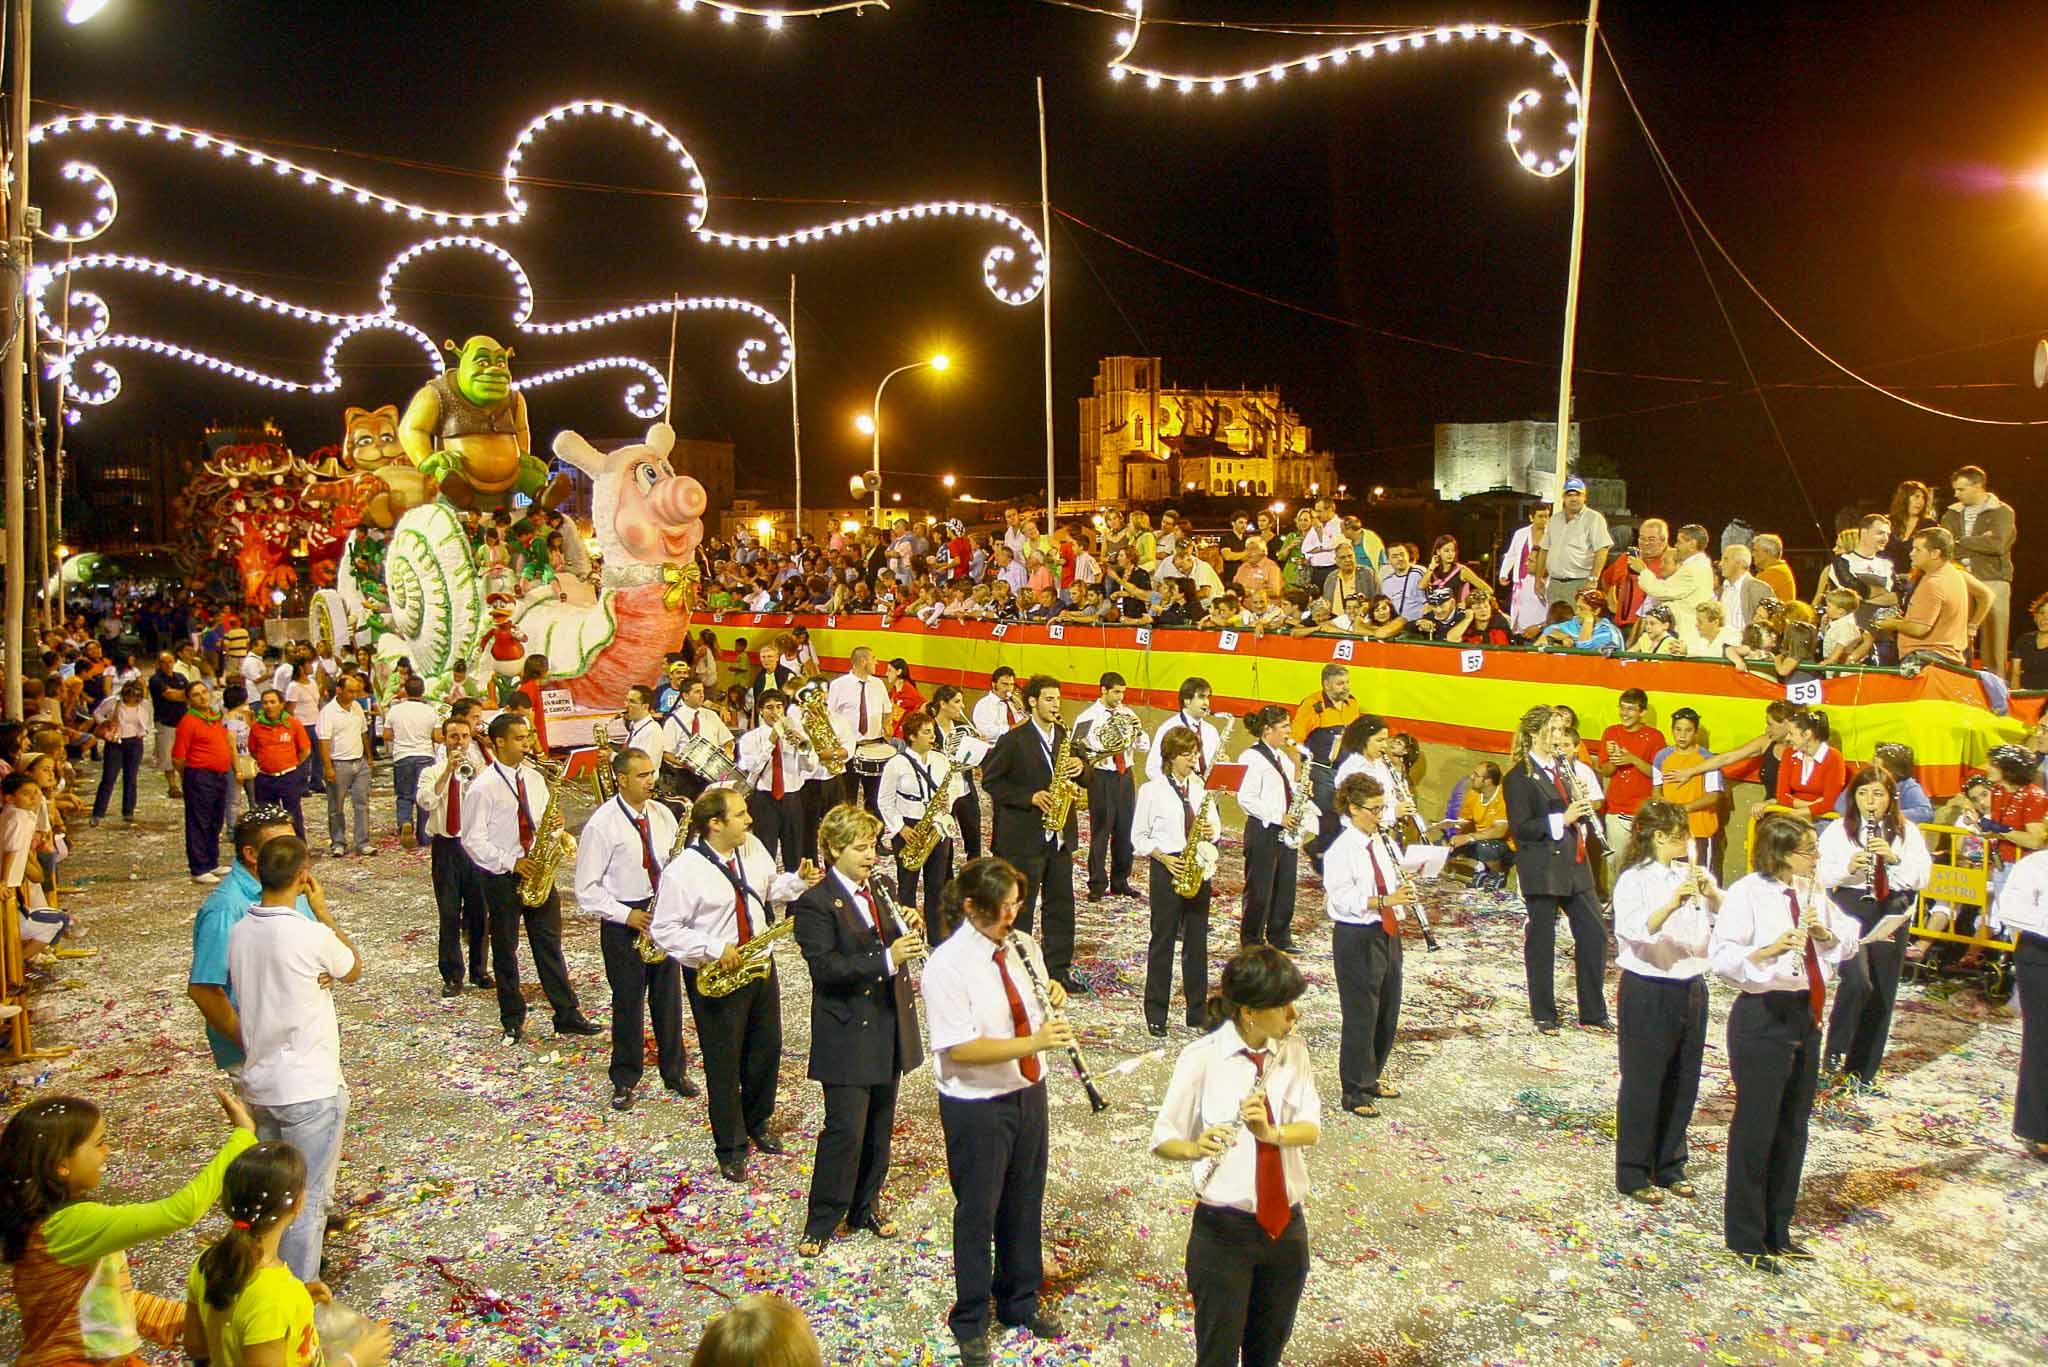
[(1857, 160)]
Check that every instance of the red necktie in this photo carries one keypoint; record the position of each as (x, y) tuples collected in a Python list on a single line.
[(647, 855), (1816, 988), (739, 901), (1020, 1024), (454, 805), (1578, 829), (775, 742), (1379, 877), (1014, 715), (1201, 755), (1274, 1213), (863, 707), (694, 719), (525, 817), (874, 915)]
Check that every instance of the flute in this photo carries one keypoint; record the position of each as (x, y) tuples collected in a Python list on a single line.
[(1257, 1093), (1015, 946)]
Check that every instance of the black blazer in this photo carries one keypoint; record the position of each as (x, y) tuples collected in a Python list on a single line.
[(1017, 766), (1544, 867), (864, 1028)]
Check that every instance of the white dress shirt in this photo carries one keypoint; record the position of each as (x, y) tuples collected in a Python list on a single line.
[(432, 789), (908, 782), (964, 1001), (1840, 843), (490, 815), (1359, 869), (992, 716), (343, 729), (1319, 544), (2023, 903), (1678, 948), (1160, 823), (412, 722), (611, 862), (695, 916), (1754, 912), (1211, 1080), (1263, 794), (687, 721), (646, 736), (1205, 758), (757, 758), (843, 701)]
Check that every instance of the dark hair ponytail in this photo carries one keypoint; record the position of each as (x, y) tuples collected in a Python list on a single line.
[(1257, 977), (986, 882), (41, 1135), (260, 1188), (1655, 817)]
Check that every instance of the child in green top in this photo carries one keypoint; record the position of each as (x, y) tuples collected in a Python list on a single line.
[(71, 1280), (243, 1307)]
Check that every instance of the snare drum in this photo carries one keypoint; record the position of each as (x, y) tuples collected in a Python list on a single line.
[(870, 757), (709, 763)]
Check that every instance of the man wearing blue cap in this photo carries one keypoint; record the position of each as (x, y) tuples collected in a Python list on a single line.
[(1575, 546)]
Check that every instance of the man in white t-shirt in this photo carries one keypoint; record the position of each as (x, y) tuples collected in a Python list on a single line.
[(411, 723), (283, 968), (345, 764)]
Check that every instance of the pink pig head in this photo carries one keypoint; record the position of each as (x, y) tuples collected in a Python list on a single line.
[(641, 509)]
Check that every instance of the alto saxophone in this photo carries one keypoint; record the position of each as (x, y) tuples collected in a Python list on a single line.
[(1198, 861), (920, 840), (550, 840), (1063, 791), (1295, 831), (757, 961)]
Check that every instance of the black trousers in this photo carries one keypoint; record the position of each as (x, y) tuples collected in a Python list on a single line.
[(1663, 1030), (1860, 1024), (1368, 967), (1774, 1058), (996, 1153), (1177, 918), (287, 788), (1112, 802), (1589, 954), (967, 811), (1322, 777), (459, 897), (779, 825), (739, 1041), (853, 1154), (1049, 883), (1270, 872), (1246, 1286), (2030, 968), (639, 987), (820, 795), (543, 935), (932, 876)]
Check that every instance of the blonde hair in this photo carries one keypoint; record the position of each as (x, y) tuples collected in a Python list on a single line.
[(843, 827), (1848, 600), (1534, 722), (760, 1331)]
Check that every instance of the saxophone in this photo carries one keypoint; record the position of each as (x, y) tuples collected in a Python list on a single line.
[(920, 840), (551, 842), (1295, 828), (1198, 861), (757, 961), (1065, 792), (817, 724)]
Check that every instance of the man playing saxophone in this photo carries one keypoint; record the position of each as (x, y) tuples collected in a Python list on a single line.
[(1029, 790), (502, 811), (1280, 819), (618, 870), (1173, 824), (916, 799), (713, 899)]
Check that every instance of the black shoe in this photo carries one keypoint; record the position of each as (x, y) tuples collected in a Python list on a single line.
[(1793, 1249), (1285, 947), (1093, 895), (622, 1098), (1155, 1031), (1546, 1027), (1042, 1326), (451, 989), (974, 1351), (1126, 892), (1605, 1027), (1758, 1262), (686, 1089), (514, 1033), (765, 1142), (1075, 987), (580, 1027), (482, 980), (733, 1169)]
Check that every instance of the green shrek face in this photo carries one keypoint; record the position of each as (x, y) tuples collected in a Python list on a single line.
[(483, 371)]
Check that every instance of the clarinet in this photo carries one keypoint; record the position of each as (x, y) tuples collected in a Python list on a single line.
[(1421, 916), (1095, 1101)]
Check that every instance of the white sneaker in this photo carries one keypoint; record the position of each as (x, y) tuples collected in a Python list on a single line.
[(209, 878)]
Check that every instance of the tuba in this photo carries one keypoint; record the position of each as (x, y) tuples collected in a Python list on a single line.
[(551, 843), (817, 725)]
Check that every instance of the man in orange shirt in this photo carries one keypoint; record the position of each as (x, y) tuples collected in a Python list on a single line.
[(1482, 832), (1767, 562), (1319, 723), (1947, 605)]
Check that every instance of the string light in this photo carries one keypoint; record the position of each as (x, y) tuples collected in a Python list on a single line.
[(1539, 161), (729, 13), (106, 205), (1013, 276)]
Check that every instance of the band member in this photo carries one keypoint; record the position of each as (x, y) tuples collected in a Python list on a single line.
[(949, 706), (1170, 806), (778, 761), (909, 783), (1318, 726), (618, 871), (1272, 781), (1554, 867), (1193, 715), (1018, 775), (1368, 748), (715, 897), (988, 1028), (501, 813), (689, 720), (1367, 899), (864, 1029), (1242, 1106), (999, 710), (1872, 864), (1779, 942), (458, 891), (859, 704), (1112, 795), (776, 674), (2022, 909), (1663, 908), (641, 727)]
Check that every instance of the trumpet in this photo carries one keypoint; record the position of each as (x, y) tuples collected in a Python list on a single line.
[(1038, 990), (465, 772)]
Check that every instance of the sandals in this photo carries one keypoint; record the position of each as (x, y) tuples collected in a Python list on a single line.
[(878, 1226), (1649, 1196), (1385, 1091), (810, 1248), (1363, 1109), (1683, 1188)]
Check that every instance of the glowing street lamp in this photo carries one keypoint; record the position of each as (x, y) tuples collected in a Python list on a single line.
[(82, 11), (870, 424), (948, 481)]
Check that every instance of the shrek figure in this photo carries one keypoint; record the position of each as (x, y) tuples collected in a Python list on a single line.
[(467, 428)]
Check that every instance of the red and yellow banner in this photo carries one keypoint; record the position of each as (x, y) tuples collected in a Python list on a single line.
[(1458, 695)]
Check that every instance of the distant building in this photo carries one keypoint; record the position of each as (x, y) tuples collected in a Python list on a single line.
[(127, 490), (1143, 442), (1513, 457)]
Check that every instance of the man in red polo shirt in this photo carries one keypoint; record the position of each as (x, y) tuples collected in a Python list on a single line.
[(1627, 761)]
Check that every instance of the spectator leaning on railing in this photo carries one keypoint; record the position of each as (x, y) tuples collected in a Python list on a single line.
[(1575, 546), (1984, 530)]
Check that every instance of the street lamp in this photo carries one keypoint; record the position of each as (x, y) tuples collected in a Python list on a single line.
[(948, 481), (81, 11), (870, 424)]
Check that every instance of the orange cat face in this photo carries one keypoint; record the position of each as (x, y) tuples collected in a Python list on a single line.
[(371, 440)]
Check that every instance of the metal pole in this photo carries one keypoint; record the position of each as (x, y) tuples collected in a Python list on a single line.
[(35, 425), (1571, 290), (1045, 300), (875, 449), (796, 424), (16, 355), (668, 409), (57, 455)]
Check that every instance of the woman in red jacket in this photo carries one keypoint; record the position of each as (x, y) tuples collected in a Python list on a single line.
[(1811, 775), (205, 757)]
